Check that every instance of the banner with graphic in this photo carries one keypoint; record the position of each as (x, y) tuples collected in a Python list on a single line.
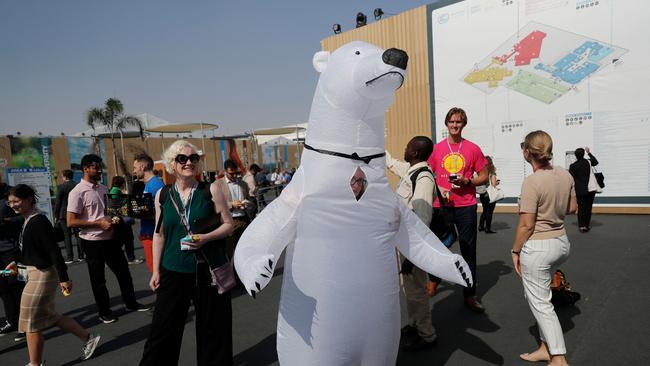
[(33, 152), (37, 178)]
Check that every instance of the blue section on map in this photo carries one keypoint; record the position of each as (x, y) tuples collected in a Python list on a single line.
[(579, 64)]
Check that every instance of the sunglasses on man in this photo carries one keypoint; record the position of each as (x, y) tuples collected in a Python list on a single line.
[(182, 158)]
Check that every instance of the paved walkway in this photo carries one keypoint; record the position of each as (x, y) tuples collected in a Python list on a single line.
[(609, 326)]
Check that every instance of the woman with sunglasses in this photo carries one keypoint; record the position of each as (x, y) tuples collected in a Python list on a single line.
[(46, 273), (541, 242), (179, 275)]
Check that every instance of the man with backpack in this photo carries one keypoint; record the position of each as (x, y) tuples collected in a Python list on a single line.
[(416, 189)]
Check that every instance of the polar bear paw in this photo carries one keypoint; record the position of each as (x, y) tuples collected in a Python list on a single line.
[(260, 272), (463, 270)]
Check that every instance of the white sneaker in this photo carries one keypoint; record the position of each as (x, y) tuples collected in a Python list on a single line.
[(89, 347)]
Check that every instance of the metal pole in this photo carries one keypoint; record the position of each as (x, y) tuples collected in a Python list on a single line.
[(126, 181)]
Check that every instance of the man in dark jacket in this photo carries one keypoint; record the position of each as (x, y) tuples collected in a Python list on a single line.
[(60, 211), (581, 170), (10, 287)]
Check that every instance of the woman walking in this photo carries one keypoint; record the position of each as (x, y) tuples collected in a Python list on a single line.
[(46, 272), (541, 242), (180, 272), (485, 222)]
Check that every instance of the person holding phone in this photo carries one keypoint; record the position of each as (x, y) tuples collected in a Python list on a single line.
[(454, 161)]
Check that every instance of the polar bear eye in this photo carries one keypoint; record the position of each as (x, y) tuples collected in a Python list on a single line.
[(357, 53)]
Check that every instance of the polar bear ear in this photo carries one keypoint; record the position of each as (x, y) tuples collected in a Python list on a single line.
[(320, 60)]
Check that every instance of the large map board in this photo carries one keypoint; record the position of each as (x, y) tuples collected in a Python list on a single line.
[(577, 69)]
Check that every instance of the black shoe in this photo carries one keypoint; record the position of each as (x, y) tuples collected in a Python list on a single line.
[(107, 319), (409, 330), (7, 328), (489, 231), (20, 336), (417, 343), (474, 305), (480, 228), (138, 307)]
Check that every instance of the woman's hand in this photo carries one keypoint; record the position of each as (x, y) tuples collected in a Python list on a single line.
[(154, 282), (198, 240), (516, 262)]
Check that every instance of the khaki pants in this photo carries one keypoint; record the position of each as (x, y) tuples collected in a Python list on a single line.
[(417, 302)]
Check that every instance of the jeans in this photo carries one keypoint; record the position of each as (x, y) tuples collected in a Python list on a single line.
[(464, 218), (488, 209)]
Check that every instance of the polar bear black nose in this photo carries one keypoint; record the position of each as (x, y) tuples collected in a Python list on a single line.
[(395, 57)]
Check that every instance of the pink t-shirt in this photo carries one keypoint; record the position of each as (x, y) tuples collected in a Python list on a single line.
[(463, 158), (87, 200)]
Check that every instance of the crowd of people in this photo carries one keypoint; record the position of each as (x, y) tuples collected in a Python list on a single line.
[(194, 227)]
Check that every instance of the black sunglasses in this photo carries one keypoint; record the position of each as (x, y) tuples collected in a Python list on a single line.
[(182, 158), (522, 145)]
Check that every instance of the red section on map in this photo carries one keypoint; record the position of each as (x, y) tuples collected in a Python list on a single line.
[(527, 49)]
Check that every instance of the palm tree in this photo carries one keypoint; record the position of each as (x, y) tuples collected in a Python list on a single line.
[(112, 117)]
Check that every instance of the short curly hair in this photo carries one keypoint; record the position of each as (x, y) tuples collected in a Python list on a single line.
[(169, 156)]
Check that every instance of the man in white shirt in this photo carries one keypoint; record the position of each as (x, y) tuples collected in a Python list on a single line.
[(238, 200), (419, 333)]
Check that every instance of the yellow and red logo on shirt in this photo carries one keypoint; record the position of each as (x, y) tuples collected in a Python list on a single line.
[(453, 163)]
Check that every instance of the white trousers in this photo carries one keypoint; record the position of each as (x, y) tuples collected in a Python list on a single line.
[(539, 259)]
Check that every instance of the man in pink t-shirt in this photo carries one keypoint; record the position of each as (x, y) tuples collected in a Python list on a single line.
[(454, 161), (86, 211)]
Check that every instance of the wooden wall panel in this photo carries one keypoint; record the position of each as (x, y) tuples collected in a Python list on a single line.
[(410, 114)]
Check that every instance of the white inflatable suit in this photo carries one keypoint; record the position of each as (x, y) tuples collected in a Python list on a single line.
[(340, 291)]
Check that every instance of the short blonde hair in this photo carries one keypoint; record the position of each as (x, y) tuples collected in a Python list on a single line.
[(540, 146), (169, 156)]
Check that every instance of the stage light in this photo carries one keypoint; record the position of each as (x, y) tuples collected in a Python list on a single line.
[(361, 19), (378, 13), (336, 28)]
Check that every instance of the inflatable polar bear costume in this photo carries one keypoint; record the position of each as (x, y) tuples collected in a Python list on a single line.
[(340, 291)]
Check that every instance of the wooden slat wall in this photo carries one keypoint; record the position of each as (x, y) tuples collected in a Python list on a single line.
[(410, 114)]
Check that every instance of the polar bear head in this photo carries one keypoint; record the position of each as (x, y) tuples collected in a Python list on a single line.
[(357, 85)]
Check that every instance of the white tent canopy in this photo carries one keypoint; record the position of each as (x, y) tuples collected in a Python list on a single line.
[(151, 124), (290, 132)]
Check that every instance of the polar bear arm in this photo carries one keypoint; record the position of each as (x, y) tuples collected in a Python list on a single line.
[(262, 243), (417, 243)]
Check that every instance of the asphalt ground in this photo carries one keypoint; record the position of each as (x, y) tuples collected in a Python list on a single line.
[(610, 325)]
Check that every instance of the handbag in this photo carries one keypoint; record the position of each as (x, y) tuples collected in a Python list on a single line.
[(223, 277), (495, 194), (592, 185), (562, 294), (442, 223), (600, 179)]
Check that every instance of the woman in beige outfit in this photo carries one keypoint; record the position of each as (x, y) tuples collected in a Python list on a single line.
[(541, 242)]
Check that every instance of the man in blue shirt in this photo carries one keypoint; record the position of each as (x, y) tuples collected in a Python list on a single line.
[(143, 169)]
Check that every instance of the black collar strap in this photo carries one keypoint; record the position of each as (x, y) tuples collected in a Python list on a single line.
[(354, 156)]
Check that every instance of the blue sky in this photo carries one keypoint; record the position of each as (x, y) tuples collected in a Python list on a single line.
[(240, 64)]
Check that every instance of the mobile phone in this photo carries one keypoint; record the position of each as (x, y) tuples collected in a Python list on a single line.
[(453, 177)]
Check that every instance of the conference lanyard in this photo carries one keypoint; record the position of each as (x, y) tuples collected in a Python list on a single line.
[(187, 208)]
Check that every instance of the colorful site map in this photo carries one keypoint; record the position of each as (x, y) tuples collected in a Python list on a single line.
[(542, 62)]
